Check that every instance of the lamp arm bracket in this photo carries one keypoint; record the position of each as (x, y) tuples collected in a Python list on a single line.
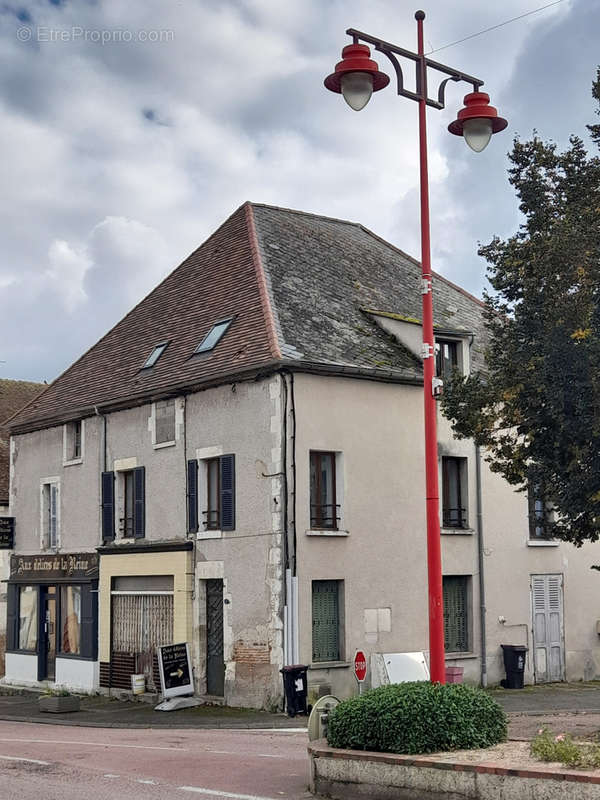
[(392, 52)]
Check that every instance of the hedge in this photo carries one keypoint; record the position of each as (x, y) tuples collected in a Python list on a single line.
[(417, 717)]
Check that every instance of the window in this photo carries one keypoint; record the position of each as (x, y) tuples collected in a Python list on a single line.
[(214, 336), (155, 355), (73, 442), (50, 514), (127, 518), (540, 514), (456, 613), (131, 503), (323, 505), (164, 421), (220, 493), (454, 492), (70, 620), (326, 620), (446, 358), (28, 617)]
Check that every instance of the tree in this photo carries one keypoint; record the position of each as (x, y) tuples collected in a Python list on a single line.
[(536, 406)]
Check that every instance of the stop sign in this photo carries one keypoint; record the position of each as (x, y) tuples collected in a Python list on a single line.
[(360, 666)]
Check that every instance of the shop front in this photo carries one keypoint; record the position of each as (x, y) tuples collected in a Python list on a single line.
[(52, 620)]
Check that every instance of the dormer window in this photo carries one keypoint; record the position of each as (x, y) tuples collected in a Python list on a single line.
[(155, 355), (214, 336)]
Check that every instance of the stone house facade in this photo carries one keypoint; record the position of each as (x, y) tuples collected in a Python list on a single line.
[(239, 464)]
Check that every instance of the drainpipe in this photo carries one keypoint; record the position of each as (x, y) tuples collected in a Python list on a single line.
[(482, 609)]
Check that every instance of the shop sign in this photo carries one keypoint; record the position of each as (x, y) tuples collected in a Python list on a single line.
[(175, 670), (54, 567), (7, 533)]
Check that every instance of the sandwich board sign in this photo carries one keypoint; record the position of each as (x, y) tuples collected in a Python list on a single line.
[(175, 666)]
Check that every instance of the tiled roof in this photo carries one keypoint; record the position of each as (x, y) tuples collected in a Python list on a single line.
[(298, 286), (13, 396)]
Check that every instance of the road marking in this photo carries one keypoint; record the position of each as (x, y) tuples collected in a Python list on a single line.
[(28, 760), (110, 775), (248, 755), (217, 793), (268, 755), (94, 744), (152, 783)]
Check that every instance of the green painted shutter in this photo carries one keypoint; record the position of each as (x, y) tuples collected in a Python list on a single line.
[(456, 614), (325, 621)]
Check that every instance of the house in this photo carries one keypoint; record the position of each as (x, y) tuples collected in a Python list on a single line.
[(13, 396), (238, 464)]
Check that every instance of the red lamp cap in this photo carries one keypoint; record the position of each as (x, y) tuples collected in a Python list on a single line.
[(356, 58), (477, 107)]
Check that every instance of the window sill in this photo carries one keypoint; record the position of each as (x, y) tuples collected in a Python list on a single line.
[(72, 462), (326, 532), (209, 534), (160, 445), (457, 531), (542, 543), (459, 656), (330, 665)]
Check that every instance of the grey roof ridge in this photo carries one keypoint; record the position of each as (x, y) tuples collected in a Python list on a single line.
[(128, 314), (267, 299), (406, 255)]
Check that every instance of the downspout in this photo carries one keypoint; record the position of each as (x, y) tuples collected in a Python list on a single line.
[(482, 609), (104, 465)]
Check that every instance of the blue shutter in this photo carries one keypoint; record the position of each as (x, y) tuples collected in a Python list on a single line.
[(192, 495), (12, 617), (228, 493), (108, 506), (139, 502)]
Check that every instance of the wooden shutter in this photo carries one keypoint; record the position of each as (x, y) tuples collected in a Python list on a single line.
[(53, 516), (108, 506), (12, 617), (228, 493), (192, 495), (325, 621), (139, 502), (456, 613), (89, 621)]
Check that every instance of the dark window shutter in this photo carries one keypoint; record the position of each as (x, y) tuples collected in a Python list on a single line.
[(139, 502), (228, 493), (89, 621), (192, 495), (108, 506), (12, 617), (456, 619), (325, 621)]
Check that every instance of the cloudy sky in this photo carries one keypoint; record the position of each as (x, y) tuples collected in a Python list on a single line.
[(130, 130)]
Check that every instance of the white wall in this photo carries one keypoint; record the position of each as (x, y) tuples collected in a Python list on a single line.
[(76, 674), (21, 669)]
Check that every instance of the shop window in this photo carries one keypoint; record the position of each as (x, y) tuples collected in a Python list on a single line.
[(324, 508), (454, 492), (28, 617), (164, 422), (70, 620), (456, 613), (50, 512), (327, 635)]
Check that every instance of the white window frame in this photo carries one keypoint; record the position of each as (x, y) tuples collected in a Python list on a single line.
[(203, 455), (68, 462), (46, 486), (462, 350)]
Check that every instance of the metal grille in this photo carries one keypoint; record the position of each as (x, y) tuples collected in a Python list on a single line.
[(141, 622), (456, 614), (325, 621)]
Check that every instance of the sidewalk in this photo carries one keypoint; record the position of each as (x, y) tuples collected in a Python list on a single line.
[(563, 708)]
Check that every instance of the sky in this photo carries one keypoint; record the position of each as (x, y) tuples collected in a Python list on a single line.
[(130, 130)]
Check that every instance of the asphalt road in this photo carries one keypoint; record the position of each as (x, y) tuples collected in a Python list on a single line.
[(59, 763)]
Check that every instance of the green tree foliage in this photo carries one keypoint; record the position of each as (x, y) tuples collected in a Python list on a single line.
[(536, 408)]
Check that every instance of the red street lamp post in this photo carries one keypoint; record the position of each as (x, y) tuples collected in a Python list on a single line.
[(356, 76)]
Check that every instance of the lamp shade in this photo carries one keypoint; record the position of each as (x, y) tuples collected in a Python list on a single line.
[(356, 76), (477, 121)]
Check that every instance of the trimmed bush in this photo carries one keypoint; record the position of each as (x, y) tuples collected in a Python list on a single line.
[(417, 717)]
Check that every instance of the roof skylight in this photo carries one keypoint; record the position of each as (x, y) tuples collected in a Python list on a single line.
[(155, 355), (214, 336)]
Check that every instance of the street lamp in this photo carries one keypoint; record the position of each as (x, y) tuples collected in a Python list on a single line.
[(356, 77)]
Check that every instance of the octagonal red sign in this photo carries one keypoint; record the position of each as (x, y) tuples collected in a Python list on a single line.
[(360, 666)]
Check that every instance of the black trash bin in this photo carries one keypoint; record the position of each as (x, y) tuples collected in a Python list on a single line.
[(295, 686), (514, 664)]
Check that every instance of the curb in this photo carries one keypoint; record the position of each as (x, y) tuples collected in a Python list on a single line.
[(52, 720)]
